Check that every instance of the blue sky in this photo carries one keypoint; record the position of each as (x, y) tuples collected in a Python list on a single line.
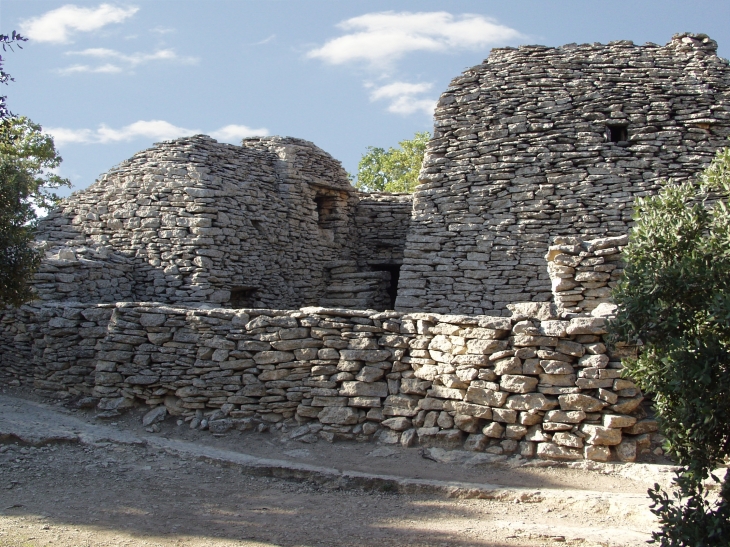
[(110, 78)]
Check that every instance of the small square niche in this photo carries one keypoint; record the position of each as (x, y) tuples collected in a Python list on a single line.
[(617, 133)]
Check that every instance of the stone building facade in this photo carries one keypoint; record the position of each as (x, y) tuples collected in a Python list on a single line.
[(538, 142)]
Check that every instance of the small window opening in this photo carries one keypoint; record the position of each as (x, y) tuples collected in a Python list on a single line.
[(394, 270), (243, 297), (617, 133), (325, 209)]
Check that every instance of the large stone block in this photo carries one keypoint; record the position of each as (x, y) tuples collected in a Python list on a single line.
[(338, 415), (488, 397), (446, 438), (364, 389), (369, 356), (530, 401), (601, 435), (517, 383), (586, 325), (578, 401)]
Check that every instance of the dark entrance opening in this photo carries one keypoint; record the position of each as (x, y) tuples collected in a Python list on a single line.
[(243, 297), (617, 133), (394, 270), (325, 209)]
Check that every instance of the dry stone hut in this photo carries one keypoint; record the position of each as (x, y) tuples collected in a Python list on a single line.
[(240, 286), (273, 223), (538, 142)]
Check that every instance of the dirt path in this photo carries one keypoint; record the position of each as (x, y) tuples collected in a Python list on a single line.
[(114, 486)]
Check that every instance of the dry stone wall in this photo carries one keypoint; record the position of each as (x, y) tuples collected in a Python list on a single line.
[(85, 274), (538, 142), (542, 382), (53, 346)]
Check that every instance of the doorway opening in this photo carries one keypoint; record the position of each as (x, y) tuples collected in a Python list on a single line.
[(326, 206), (243, 297), (394, 270)]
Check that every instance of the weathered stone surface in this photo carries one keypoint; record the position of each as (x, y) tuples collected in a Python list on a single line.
[(601, 435), (552, 451), (339, 415), (488, 397), (467, 423), (493, 430), (476, 442), (643, 426), (446, 393), (517, 383), (397, 424), (615, 421), (365, 389), (273, 357), (155, 415), (578, 401), (586, 325), (433, 437), (626, 450), (530, 401), (478, 411), (563, 438), (597, 453), (370, 356)]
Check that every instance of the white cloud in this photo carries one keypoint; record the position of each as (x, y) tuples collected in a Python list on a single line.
[(382, 38), (155, 130), (107, 68), (130, 61), (404, 97), (265, 40), (59, 24), (163, 30), (234, 133)]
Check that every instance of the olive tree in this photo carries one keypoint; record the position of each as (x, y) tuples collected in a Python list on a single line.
[(674, 305)]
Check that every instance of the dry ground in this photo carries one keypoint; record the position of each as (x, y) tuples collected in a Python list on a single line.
[(105, 492)]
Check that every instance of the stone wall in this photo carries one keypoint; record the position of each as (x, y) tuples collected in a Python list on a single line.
[(382, 222), (82, 273), (542, 382), (538, 142), (53, 346)]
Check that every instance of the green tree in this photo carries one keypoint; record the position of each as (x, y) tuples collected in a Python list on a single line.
[(674, 304), (27, 158), (394, 170)]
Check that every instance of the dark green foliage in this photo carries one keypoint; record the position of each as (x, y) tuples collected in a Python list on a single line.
[(674, 301), (394, 170), (26, 158), (18, 259)]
